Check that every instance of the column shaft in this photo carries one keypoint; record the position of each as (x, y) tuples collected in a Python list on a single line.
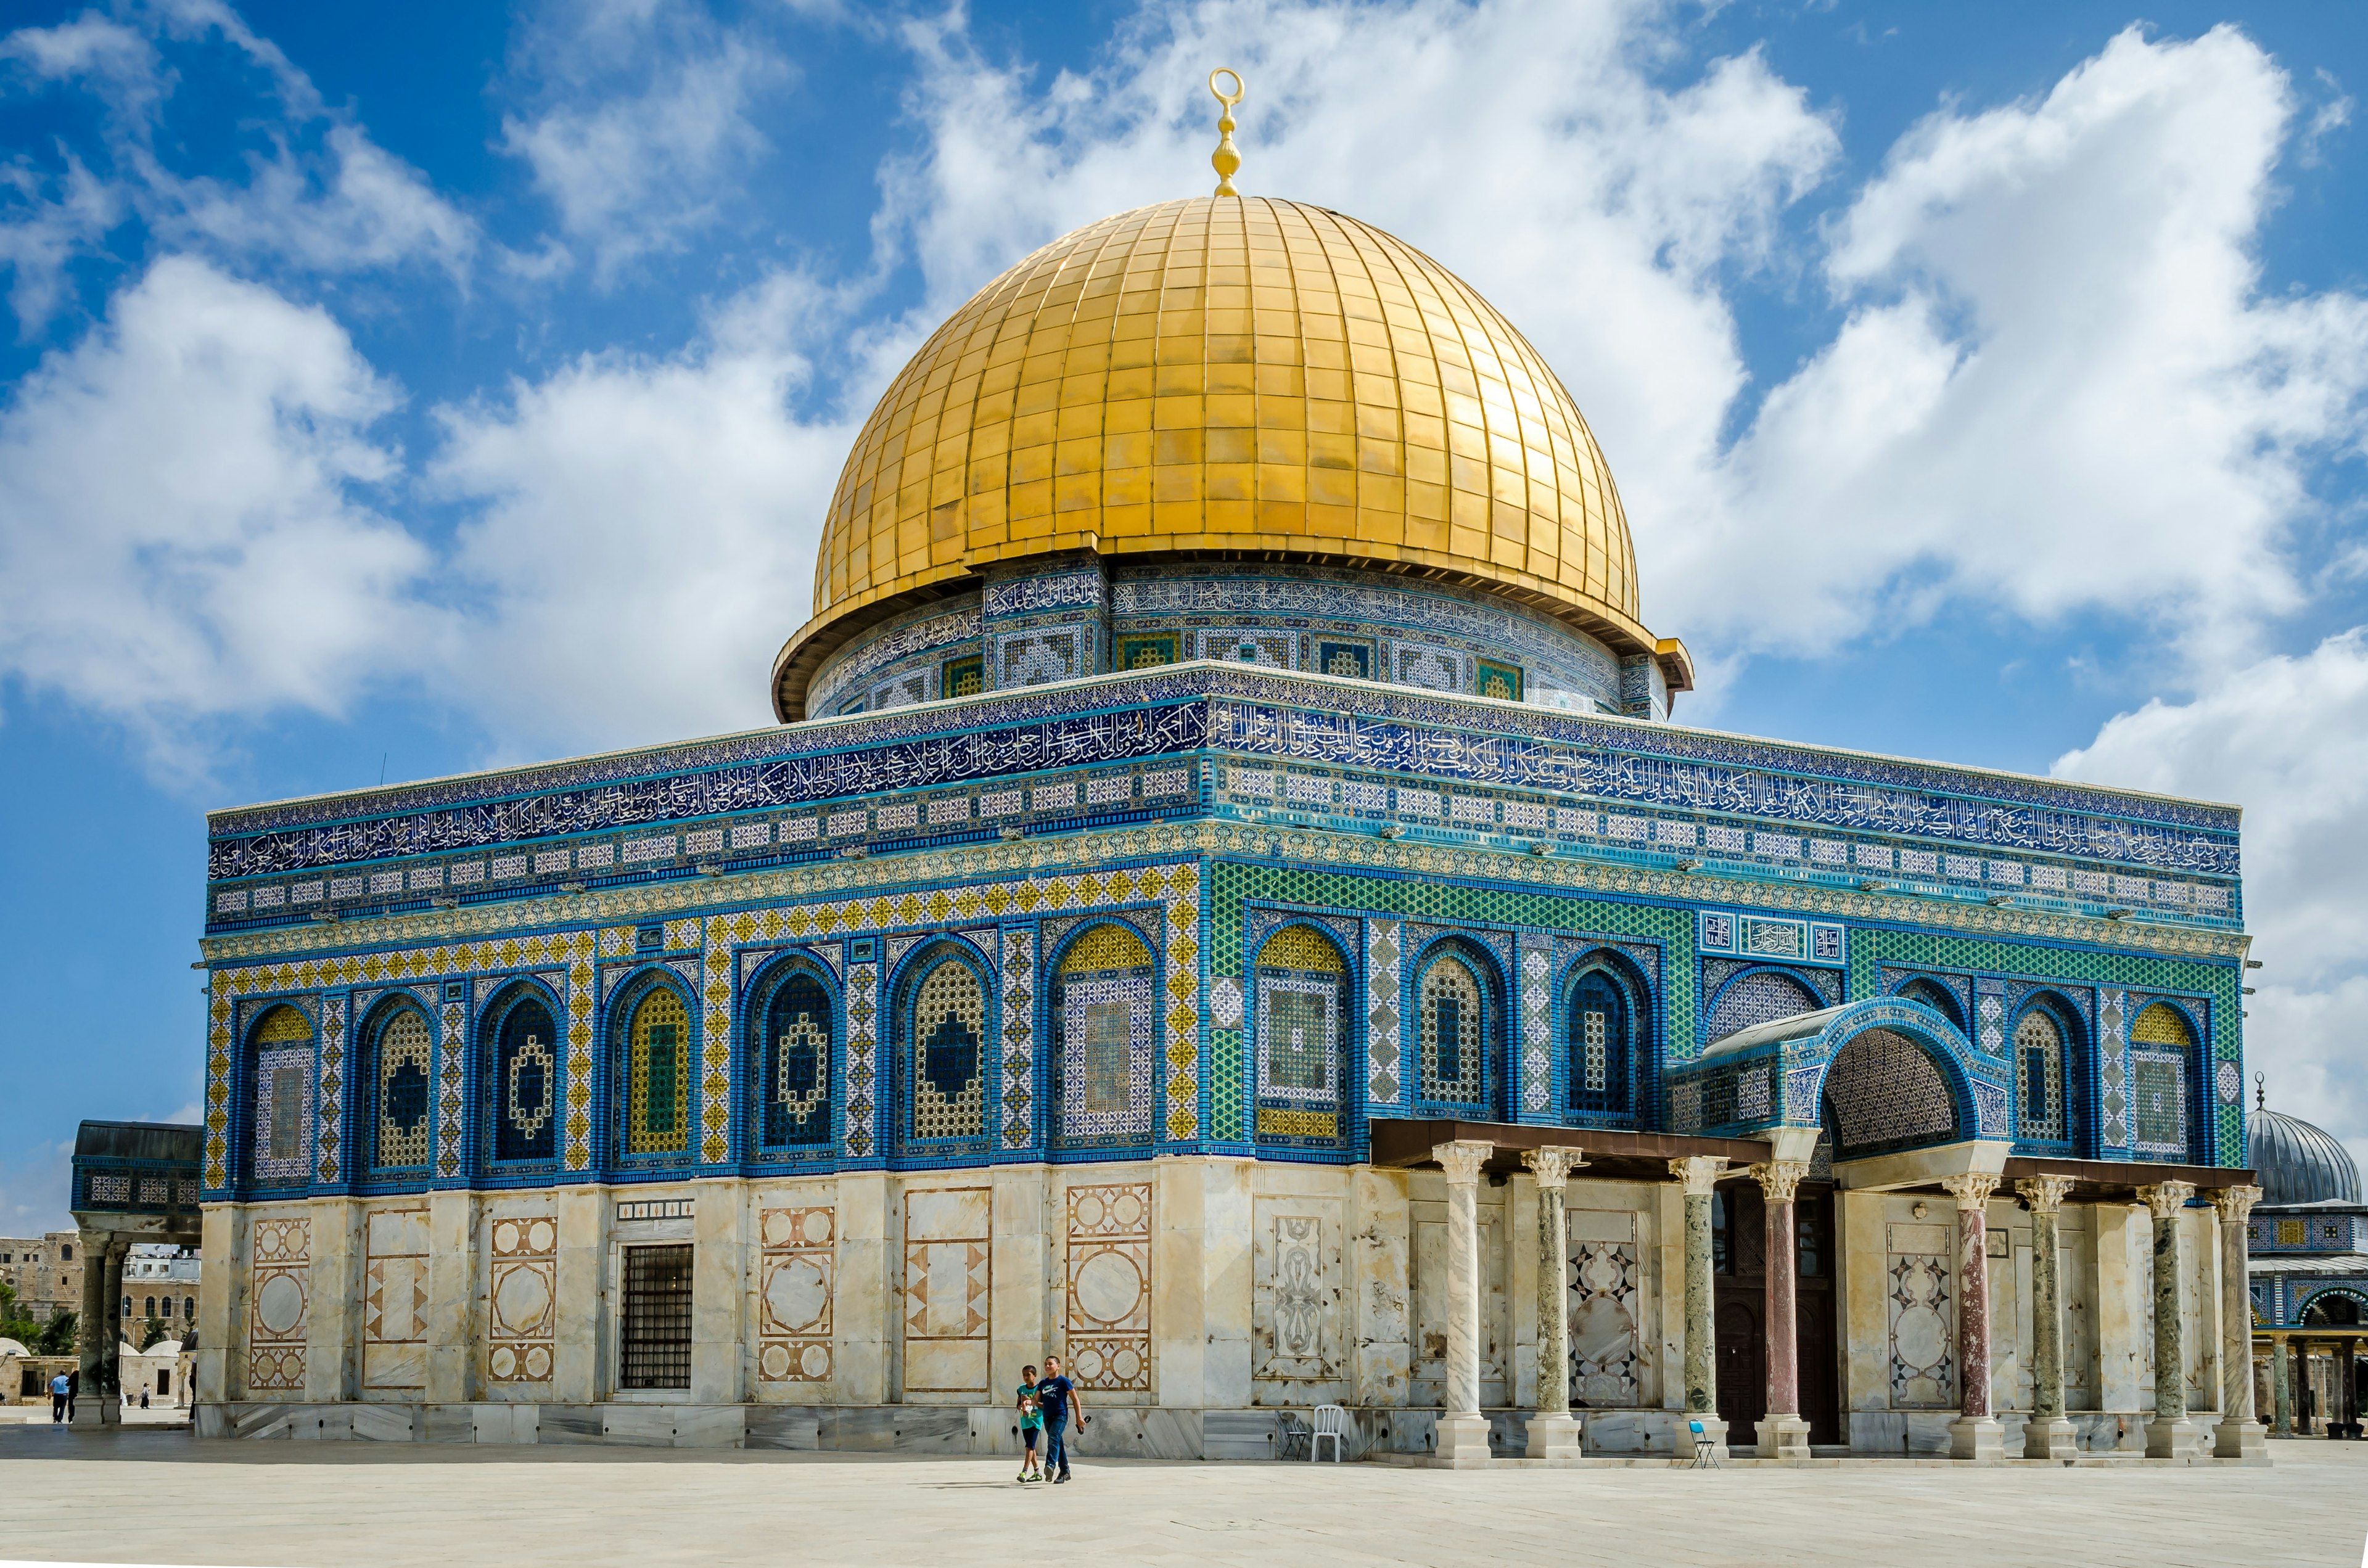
[(1701, 1362), (1974, 1309), (88, 1337), (112, 1334), (2281, 1387), (2047, 1320), (2170, 1435), (1462, 1299), (1553, 1434), (2047, 1435), (1783, 1332), (1462, 1431), (1553, 1318), (2239, 1434), (2170, 1362)]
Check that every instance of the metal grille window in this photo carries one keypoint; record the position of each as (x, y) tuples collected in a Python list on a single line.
[(653, 1346)]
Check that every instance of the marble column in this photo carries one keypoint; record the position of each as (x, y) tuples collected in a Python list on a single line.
[(1699, 1172), (1554, 1431), (1462, 1441), (2239, 1436), (2170, 1434), (2302, 1403), (1974, 1435), (2048, 1434), (110, 1349), (1782, 1432), (91, 1247), (2280, 1389), (2345, 1399)]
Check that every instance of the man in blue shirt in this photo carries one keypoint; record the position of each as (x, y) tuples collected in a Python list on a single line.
[(1054, 1396), (59, 1389)]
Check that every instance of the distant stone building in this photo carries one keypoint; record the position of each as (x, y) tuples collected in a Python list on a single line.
[(45, 1273), (161, 1282)]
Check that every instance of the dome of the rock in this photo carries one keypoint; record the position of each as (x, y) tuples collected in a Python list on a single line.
[(1226, 377)]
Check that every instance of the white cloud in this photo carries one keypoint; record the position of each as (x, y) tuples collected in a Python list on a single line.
[(647, 117), (644, 530), (185, 528), (2060, 388), (2287, 739), (318, 195)]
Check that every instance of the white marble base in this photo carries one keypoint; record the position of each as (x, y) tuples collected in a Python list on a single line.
[(1711, 1428), (1463, 1443), (2054, 1439), (1783, 1438), (2246, 1440), (2173, 1439), (1977, 1439), (1554, 1437)]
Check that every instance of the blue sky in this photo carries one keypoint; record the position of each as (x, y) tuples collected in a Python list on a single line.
[(397, 391)]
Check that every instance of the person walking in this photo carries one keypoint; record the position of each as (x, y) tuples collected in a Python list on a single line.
[(74, 1392), (1057, 1397), (1032, 1424), (59, 1389)]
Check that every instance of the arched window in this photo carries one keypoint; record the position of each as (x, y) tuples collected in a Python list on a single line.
[(402, 1062), (188, 1309), (1598, 1042), (1759, 996), (1453, 1033), (2042, 1113), (2162, 1045), (1938, 997), (281, 1046), (152, 1308), (795, 1062), (945, 1048), (1298, 981), (523, 1082), (657, 1075), (1102, 1036)]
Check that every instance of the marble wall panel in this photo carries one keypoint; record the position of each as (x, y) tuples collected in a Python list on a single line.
[(948, 1279), (279, 1301), (521, 1300), (1106, 1290), (1605, 1295), (796, 1272), (395, 1301), (1300, 1353), (1920, 1261)]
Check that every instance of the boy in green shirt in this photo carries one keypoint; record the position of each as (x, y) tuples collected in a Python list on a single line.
[(1031, 1422)]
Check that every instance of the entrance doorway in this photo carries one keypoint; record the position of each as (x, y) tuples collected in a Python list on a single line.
[(1739, 1282)]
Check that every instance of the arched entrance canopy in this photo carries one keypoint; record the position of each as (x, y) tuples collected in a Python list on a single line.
[(1773, 1075)]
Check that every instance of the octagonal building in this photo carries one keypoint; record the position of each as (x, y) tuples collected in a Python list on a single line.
[(1227, 903)]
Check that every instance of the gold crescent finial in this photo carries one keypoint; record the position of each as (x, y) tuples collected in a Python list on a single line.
[(1226, 158)]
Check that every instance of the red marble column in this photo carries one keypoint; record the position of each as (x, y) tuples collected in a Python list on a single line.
[(1974, 1435), (1779, 1181)]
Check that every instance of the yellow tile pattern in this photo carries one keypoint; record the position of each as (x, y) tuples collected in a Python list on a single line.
[(1229, 374)]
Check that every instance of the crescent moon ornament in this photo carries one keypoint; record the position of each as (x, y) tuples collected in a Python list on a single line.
[(1226, 158)]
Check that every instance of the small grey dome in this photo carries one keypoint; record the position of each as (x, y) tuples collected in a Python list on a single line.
[(2296, 1163)]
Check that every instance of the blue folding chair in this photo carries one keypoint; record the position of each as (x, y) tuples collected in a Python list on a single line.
[(1705, 1447)]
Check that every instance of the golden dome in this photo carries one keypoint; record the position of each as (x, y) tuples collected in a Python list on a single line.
[(1230, 377)]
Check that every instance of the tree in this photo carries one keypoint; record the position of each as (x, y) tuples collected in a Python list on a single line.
[(151, 1332), (59, 1337), (14, 1323)]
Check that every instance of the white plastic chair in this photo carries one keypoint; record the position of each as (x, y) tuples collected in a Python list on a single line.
[(1331, 1421)]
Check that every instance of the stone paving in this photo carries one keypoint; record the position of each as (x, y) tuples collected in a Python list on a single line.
[(146, 1495)]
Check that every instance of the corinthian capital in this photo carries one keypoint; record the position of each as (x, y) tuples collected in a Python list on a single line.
[(2165, 1198), (1552, 1165), (1972, 1189), (2235, 1203), (1462, 1160), (1779, 1180), (2045, 1194), (1698, 1172)]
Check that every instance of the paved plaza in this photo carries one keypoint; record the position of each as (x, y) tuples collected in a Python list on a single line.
[(155, 1496)]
